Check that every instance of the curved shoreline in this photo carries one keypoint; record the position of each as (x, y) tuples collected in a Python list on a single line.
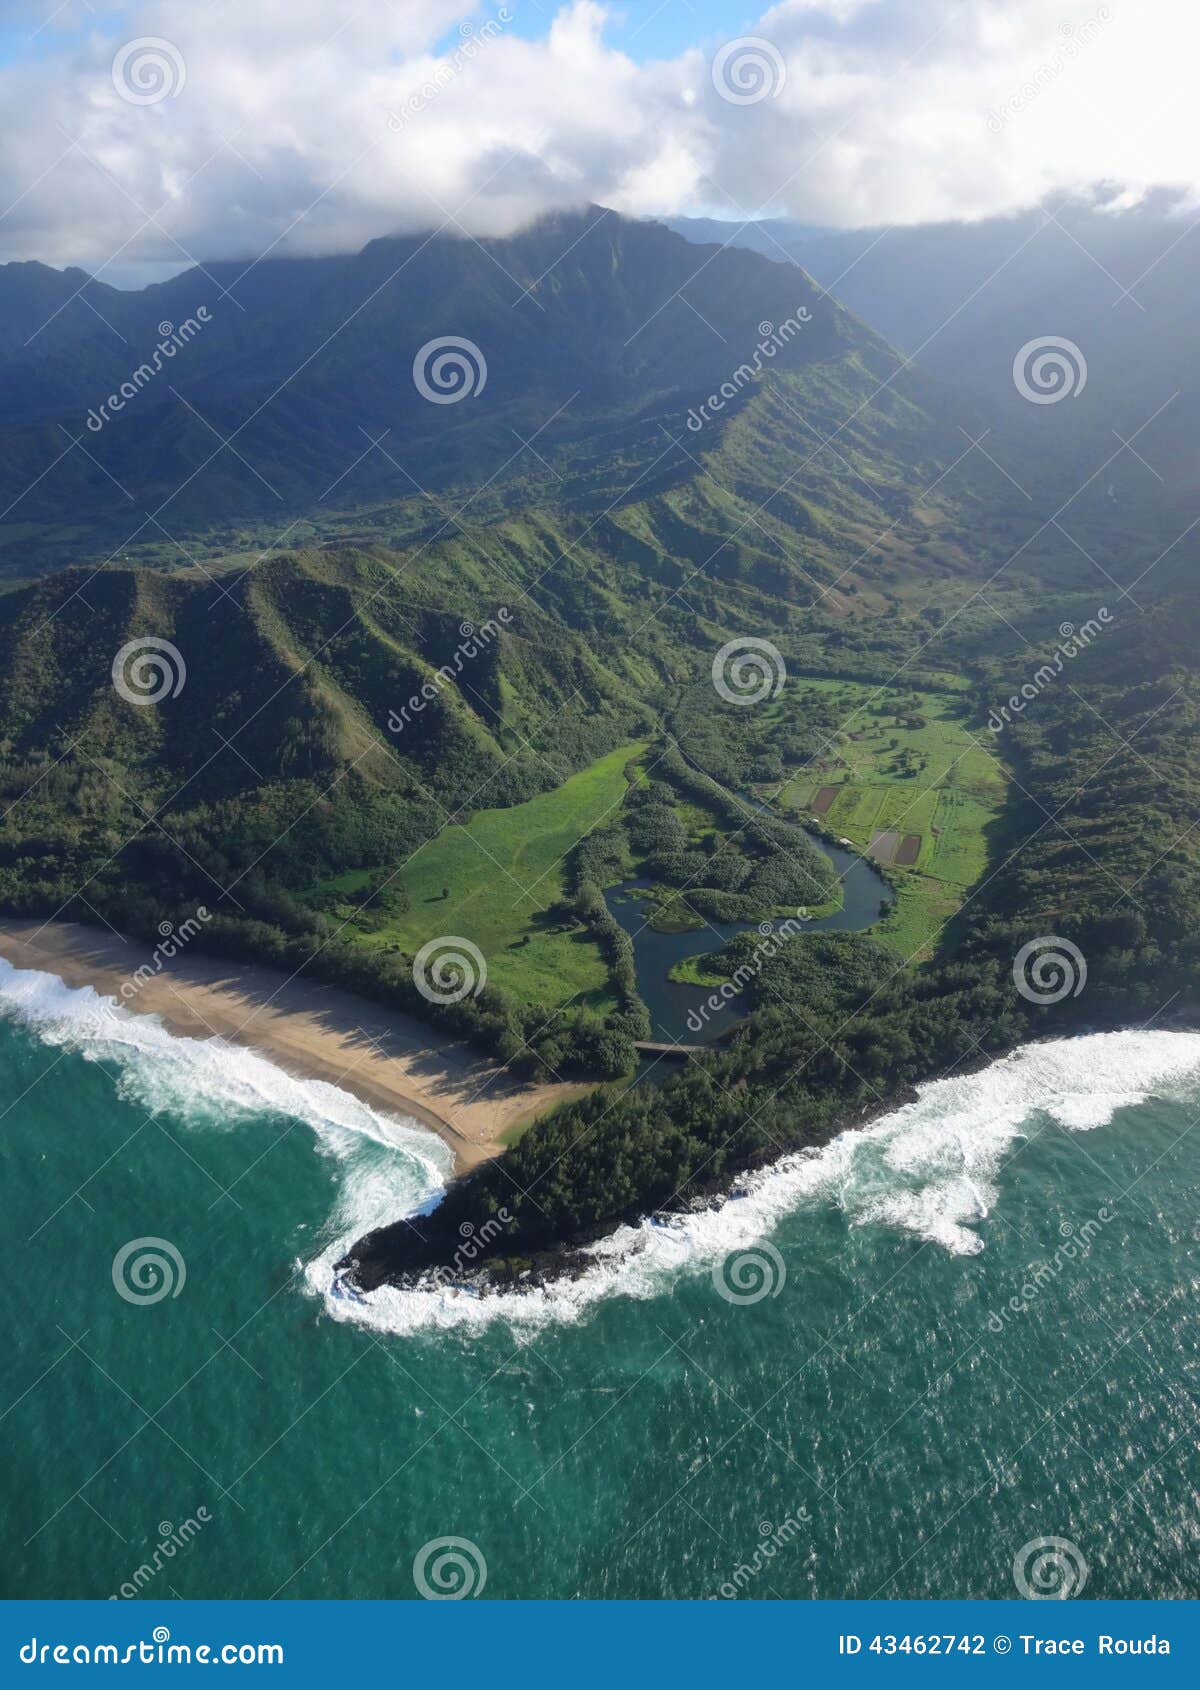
[(390, 1061), (384, 1255), (742, 1207)]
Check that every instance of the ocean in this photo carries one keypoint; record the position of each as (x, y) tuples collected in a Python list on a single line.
[(893, 1367)]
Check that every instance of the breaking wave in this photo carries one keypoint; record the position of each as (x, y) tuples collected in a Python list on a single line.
[(214, 1083), (933, 1168)]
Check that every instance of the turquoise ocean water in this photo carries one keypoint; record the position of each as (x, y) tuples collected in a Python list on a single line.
[(888, 1369)]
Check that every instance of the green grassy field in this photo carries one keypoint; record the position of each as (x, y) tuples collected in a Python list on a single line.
[(494, 880), (905, 760)]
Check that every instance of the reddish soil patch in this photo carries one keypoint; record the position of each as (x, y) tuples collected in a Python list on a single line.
[(883, 846), (910, 847), (824, 799)]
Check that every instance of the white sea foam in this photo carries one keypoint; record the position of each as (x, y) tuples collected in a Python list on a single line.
[(933, 1168), (216, 1083)]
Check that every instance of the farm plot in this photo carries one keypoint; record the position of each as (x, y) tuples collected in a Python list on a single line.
[(494, 879), (904, 780)]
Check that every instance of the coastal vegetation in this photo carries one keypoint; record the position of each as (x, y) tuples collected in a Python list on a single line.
[(468, 721), (1093, 851)]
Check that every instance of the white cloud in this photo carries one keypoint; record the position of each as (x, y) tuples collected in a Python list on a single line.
[(281, 139)]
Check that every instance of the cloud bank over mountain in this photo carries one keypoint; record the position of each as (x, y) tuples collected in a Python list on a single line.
[(138, 135)]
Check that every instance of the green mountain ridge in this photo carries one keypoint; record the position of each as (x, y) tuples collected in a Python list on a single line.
[(1116, 284), (600, 337), (525, 642)]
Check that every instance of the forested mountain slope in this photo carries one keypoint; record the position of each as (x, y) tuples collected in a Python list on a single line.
[(590, 337), (461, 676), (1116, 285)]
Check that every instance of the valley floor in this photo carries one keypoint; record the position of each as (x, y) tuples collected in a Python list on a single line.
[(496, 881), (389, 1060)]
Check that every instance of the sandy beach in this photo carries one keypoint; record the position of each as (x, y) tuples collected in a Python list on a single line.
[(389, 1060)]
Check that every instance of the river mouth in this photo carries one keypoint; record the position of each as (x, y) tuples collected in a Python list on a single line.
[(865, 898)]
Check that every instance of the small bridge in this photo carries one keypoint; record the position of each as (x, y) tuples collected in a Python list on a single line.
[(653, 1048)]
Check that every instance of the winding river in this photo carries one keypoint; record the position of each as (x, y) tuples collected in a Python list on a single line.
[(865, 897)]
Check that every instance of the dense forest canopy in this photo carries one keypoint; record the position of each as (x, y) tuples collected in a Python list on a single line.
[(364, 729)]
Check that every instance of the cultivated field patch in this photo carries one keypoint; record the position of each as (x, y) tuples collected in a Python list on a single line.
[(495, 879), (899, 774), (882, 848)]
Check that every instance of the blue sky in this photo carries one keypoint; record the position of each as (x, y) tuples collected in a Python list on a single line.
[(38, 28), (645, 29), (652, 29)]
